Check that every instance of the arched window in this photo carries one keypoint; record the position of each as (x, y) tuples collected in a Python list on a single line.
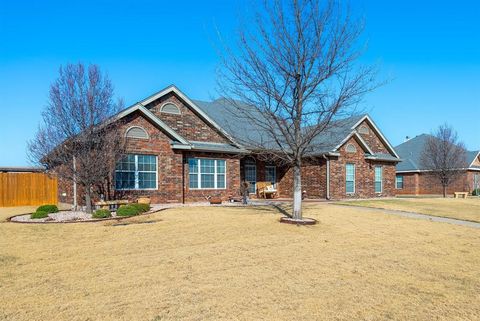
[(351, 148), (363, 130), (170, 108), (136, 132)]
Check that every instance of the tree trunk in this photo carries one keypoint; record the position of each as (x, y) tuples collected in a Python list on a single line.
[(444, 191), (88, 200), (297, 192)]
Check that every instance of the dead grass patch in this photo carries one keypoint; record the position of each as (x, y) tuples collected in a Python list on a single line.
[(463, 209), (219, 263)]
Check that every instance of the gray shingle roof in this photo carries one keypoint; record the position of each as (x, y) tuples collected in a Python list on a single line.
[(215, 147), (223, 113), (410, 152)]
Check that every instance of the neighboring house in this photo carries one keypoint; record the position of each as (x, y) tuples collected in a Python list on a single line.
[(413, 179), (181, 150)]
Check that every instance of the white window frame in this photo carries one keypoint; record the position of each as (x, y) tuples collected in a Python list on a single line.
[(253, 165), (375, 179), (136, 188), (396, 181), (354, 178), (274, 174), (215, 174)]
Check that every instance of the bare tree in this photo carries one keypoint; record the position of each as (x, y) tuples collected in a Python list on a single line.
[(292, 72), (444, 156), (75, 140)]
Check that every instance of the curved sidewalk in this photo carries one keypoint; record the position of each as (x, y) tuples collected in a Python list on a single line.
[(417, 216)]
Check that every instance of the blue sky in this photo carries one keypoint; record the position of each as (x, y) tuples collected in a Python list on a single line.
[(430, 51)]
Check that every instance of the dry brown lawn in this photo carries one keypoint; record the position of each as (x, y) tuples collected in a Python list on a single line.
[(464, 209), (241, 264)]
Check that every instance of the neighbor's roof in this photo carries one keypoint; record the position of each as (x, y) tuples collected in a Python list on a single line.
[(411, 150)]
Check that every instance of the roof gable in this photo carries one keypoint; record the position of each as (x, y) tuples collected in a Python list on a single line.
[(154, 119), (204, 116)]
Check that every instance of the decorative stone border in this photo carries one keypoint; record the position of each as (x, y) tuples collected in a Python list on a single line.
[(304, 221), (116, 218)]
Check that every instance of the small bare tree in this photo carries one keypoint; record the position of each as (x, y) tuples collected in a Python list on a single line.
[(444, 156), (75, 139), (292, 74)]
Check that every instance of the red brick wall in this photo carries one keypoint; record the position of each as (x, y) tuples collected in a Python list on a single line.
[(314, 180), (169, 162), (173, 168), (187, 124), (372, 139), (364, 175), (232, 179), (410, 184), (427, 184)]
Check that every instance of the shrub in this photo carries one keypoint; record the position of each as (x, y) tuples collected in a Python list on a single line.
[(127, 210), (476, 192), (101, 214), (142, 208), (48, 208), (39, 214)]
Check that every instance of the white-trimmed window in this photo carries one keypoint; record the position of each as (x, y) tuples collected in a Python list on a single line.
[(399, 181), (363, 130), (136, 132), (136, 172), (350, 178), (350, 148), (250, 168), (205, 173), (170, 108), (378, 179), (271, 174)]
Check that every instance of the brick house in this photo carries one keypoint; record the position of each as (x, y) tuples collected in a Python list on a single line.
[(181, 150), (412, 179)]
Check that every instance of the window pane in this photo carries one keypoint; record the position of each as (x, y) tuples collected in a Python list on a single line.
[(399, 181), (270, 174), (251, 177), (207, 180), (193, 165), (126, 163), (220, 166), (350, 187), (147, 180), (350, 178), (147, 163), (125, 180), (193, 178), (378, 179), (207, 166), (221, 181)]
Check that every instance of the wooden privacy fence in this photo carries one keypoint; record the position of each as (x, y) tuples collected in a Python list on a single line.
[(20, 189)]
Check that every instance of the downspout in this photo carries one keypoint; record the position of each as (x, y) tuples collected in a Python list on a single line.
[(75, 205), (183, 177), (328, 176)]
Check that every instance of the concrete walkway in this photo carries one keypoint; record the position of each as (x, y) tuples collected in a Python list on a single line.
[(417, 216)]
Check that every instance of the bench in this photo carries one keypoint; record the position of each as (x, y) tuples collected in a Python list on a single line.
[(266, 190), (110, 205), (462, 194)]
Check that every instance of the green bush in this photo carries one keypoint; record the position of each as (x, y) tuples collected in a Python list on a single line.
[(39, 214), (476, 192), (127, 210), (101, 214), (48, 208), (142, 208)]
